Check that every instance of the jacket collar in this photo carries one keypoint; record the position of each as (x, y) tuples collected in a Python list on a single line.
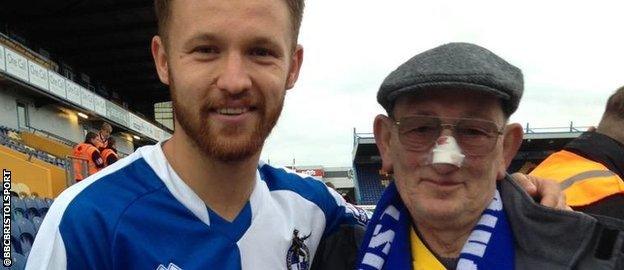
[(540, 231), (599, 148)]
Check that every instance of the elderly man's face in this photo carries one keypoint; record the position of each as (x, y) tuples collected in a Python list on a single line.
[(446, 194)]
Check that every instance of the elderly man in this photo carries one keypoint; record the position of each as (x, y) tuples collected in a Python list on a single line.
[(452, 204)]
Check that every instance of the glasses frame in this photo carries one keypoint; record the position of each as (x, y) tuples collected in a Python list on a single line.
[(497, 132)]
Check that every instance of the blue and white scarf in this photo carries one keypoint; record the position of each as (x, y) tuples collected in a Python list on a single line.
[(386, 244)]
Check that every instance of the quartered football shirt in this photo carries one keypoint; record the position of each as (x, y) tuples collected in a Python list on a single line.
[(139, 214)]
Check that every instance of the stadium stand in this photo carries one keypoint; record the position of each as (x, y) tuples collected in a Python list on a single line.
[(42, 206), (47, 142), (13, 141), (19, 261), (28, 213), (27, 234), (37, 222), (32, 208), (39, 176), (15, 238), (369, 183), (18, 206)]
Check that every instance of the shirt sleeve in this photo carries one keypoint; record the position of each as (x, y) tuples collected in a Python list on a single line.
[(48, 251), (343, 213)]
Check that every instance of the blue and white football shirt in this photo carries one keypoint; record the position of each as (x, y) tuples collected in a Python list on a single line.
[(139, 214)]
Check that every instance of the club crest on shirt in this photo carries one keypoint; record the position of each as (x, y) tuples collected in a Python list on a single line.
[(298, 256), (358, 213)]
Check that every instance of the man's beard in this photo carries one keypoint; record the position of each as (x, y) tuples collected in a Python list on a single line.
[(219, 144)]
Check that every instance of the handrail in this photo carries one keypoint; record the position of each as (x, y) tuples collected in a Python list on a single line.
[(76, 157)]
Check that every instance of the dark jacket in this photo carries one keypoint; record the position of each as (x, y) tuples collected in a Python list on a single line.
[(610, 153), (339, 251), (550, 239)]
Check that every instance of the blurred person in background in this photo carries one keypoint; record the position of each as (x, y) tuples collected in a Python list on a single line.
[(89, 153), (590, 168), (109, 154), (103, 135)]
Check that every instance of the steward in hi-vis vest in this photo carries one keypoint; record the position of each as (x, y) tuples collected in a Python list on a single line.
[(590, 169), (91, 154), (110, 153)]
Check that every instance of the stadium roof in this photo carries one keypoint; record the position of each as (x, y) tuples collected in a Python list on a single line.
[(108, 40)]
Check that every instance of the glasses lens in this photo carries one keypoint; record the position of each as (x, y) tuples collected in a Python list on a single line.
[(476, 137), (419, 133)]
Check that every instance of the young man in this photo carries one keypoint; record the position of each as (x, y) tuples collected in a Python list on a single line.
[(452, 205), (591, 167), (202, 199)]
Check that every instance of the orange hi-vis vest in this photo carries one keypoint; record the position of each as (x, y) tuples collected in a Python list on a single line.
[(106, 153), (583, 181), (84, 150)]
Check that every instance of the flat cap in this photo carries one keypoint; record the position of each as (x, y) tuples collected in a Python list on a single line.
[(460, 66)]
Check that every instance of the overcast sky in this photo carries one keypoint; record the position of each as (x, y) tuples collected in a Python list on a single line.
[(571, 54)]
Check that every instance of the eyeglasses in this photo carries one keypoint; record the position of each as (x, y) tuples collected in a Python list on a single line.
[(476, 137)]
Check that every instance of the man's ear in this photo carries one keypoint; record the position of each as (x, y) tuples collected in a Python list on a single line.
[(295, 67), (160, 59), (382, 128), (512, 139)]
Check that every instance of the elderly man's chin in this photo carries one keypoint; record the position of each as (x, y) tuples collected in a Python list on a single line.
[(429, 207), (441, 208)]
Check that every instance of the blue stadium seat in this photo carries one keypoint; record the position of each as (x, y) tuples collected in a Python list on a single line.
[(31, 207), (37, 223), (27, 237), (49, 202), (19, 262), (15, 237), (42, 206), (369, 183), (18, 206)]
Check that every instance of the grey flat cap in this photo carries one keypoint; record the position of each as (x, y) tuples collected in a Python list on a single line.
[(461, 66)]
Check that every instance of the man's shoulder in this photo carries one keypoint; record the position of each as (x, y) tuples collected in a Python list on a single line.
[(284, 179), (302, 187), (107, 192)]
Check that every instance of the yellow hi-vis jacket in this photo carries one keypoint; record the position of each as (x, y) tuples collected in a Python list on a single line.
[(582, 180)]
